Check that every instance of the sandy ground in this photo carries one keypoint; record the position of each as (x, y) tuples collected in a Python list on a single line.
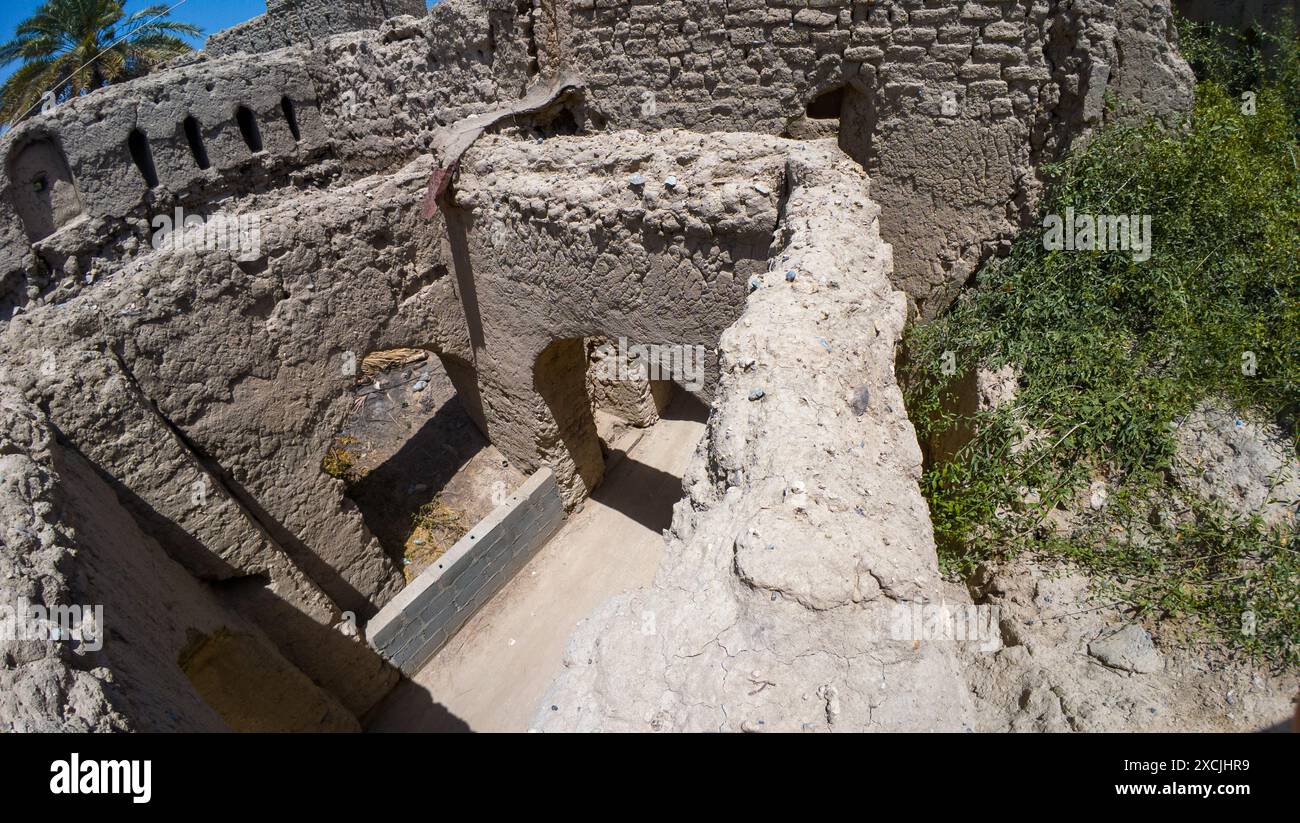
[(493, 674)]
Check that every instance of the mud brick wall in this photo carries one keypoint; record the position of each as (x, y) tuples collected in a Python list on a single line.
[(949, 106), (287, 22)]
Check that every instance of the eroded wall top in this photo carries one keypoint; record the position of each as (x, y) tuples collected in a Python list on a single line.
[(290, 22)]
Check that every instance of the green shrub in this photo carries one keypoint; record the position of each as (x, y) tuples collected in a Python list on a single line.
[(1111, 350)]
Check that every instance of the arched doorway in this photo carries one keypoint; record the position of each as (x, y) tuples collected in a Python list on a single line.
[(43, 191)]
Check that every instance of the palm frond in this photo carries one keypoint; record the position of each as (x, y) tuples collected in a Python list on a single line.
[(23, 90), (77, 46)]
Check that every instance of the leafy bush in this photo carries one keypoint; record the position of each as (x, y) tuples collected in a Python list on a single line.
[(1109, 351)]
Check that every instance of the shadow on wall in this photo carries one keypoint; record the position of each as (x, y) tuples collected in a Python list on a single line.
[(254, 689), (390, 495), (845, 112), (411, 453), (560, 377), (326, 660), (644, 493), (457, 235)]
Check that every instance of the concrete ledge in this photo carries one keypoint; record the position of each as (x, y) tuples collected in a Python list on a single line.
[(423, 616)]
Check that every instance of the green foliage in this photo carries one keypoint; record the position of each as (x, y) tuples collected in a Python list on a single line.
[(1110, 350), (340, 462), (71, 47), (1243, 61)]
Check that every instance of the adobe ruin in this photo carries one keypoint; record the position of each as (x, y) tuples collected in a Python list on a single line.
[(496, 182)]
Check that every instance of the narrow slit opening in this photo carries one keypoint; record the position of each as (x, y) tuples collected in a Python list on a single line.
[(195, 138), (290, 117), (138, 145), (248, 128)]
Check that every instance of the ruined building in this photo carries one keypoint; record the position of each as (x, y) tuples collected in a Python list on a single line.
[(494, 182)]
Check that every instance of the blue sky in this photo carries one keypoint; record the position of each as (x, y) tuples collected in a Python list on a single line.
[(209, 15)]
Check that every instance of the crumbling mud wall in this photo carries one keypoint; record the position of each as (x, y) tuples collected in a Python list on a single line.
[(244, 360), (803, 528), (205, 389), (289, 22), (204, 385), (200, 388), (951, 107), (387, 96), (69, 542), (210, 133), (612, 236), (112, 160)]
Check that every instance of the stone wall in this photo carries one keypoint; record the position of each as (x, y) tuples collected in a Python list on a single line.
[(803, 528), (293, 22), (950, 106), (206, 385), (69, 542), (128, 153), (112, 161), (420, 620), (220, 376), (640, 227)]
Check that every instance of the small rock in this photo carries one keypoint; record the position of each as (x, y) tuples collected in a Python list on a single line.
[(796, 496), (636, 181), (791, 275), (1097, 501), (860, 401), (671, 182), (420, 385), (762, 189), (756, 394), (1129, 649)]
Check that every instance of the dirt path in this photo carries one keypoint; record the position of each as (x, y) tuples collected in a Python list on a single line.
[(494, 673)]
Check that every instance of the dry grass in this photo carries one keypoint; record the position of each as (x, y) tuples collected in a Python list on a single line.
[(379, 361), (340, 461), (437, 526)]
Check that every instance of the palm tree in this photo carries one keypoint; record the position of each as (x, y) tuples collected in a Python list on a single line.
[(71, 47)]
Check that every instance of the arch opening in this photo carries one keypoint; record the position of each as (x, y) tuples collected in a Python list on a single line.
[(44, 194), (290, 117), (610, 400), (827, 105)]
